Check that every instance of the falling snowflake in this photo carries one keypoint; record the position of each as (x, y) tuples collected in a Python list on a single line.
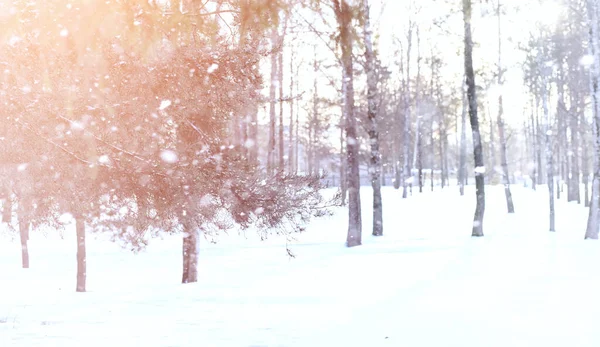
[(164, 104), (212, 68), (104, 159), (480, 170), (168, 156), (64, 32), (587, 60)]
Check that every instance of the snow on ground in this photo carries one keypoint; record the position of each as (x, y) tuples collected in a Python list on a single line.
[(426, 282)]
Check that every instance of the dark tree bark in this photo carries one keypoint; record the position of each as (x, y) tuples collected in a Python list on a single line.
[(343, 14), (81, 253), (372, 94), (190, 253), (477, 148)]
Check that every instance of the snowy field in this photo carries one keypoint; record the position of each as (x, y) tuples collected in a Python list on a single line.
[(426, 282)]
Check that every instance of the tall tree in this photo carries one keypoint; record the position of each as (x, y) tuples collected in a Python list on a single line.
[(462, 169), (594, 48), (344, 16), (406, 169), (548, 141), (501, 131), (273, 98), (372, 99), (472, 97)]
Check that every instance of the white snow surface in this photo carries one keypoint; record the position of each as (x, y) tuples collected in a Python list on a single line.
[(426, 282)]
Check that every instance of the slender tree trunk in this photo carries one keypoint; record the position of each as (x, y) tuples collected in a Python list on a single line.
[(344, 17), (534, 140), (399, 125), (548, 144), (585, 172), (372, 94), (297, 142), (594, 47), (432, 143), (253, 135), (574, 194), (281, 141), (315, 119), (24, 226), (406, 171), (492, 169), (540, 172), (272, 102), (462, 169), (343, 158), (477, 148), (418, 154), (291, 153), (81, 253), (7, 207), (190, 253), (503, 160)]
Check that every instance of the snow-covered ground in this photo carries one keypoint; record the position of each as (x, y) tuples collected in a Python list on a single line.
[(426, 282)]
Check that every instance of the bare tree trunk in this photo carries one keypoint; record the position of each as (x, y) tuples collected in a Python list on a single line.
[(540, 175), (503, 160), (81, 256), (344, 17), (272, 102), (462, 169), (492, 169), (406, 171), (297, 142), (418, 155), (253, 135), (343, 167), (398, 125), (315, 158), (573, 193), (585, 173), (190, 253), (372, 94), (477, 148), (548, 143), (594, 47), (534, 140), (7, 208), (24, 226), (291, 152), (432, 142), (281, 153)]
